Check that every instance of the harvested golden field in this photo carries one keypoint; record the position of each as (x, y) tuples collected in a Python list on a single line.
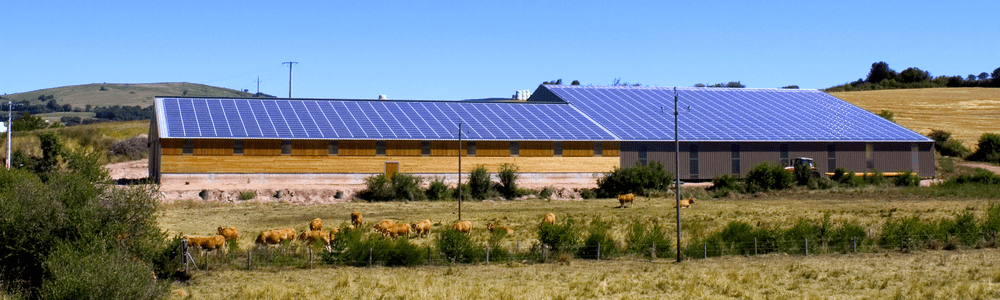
[(957, 274), (965, 112)]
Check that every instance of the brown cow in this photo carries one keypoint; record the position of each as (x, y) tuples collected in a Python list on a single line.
[(623, 198), (231, 233), (207, 242), (383, 226), (356, 219), (549, 218), (398, 229), (316, 224), (492, 227), (270, 237), (463, 226), (422, 228), (289, 233), (685, 203), (310, 237)]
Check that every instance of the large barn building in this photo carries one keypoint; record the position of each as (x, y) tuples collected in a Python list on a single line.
[(560, 132)]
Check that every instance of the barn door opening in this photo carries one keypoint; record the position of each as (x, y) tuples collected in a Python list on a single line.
[(391, 168)]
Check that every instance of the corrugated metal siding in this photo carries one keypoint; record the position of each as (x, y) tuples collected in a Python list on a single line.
[(926, 159), (851, 156), (752, 154), (714, 159), (893, 157)]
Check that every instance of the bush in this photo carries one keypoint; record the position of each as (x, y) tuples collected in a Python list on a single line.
[(546, 192), (93, 272), (736, 238), (768, 176), (723, 184), (354, 248), (978, 176), (508, 181), (947, 146), (875, 177), (561, 238), (247, 195), (466, 192), (404, 253), (598, 235), (638, 179), (907, 178), (963, 229), (588, 194), (437, 190), (134, 148), (989, 148), (479, 182), (458, 247), (992, 221), (845, 235), (912, 233), (793, 239), (400, 187), (803, 175), (641, 240)]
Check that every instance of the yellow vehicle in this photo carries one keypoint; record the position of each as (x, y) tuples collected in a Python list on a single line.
[(800, 161)]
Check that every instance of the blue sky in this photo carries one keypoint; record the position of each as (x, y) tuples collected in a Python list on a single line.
[(477, 49)]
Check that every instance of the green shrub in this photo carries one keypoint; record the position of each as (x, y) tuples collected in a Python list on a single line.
[(845, 235), (723, 184), (978, 176), (989, 148), (466, 192), (824, 184), (598, 235), (355, 248), (458, 247), (247, 195), (546, 192), (638, 179), (793, 239), (407, 187), (737, 238), (377, 188), (768, 176), (992, 222), (912, 233), (508, 181), (400, 187), (803, 174), (560, 238), (404, 253), (646, 241), (437, 190), (496, 248), (963, 228), (479, 182), (94, 272), (947, 146), (588, 194), (907, 178)]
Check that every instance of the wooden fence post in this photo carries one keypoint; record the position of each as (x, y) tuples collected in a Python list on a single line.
[(249, 260), (487, 255), (598, 251), (370, 256), (754, 246), (854, 242), (807, 246), (184, 252)]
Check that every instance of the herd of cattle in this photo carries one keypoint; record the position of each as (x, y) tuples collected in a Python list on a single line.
[(388, 228)]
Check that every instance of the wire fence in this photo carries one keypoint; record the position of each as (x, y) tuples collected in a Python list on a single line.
[(298, 255)]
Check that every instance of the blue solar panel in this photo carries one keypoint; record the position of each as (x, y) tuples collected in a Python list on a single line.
[(351, 119), (722, 114)]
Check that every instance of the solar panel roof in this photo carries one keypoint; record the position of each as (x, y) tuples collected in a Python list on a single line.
[(726, 114), (371, 119)]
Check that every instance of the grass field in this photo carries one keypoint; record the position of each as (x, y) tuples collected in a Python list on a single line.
[(93, 137), (883, 274), (140, 94), (965, 112)]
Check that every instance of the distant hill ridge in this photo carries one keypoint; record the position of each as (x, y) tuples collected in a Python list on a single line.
[(125, 94)]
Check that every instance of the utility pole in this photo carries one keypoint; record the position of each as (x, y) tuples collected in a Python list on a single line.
[(10, 128), (677, 175), (258, 83), (459, 171), (290, 63)]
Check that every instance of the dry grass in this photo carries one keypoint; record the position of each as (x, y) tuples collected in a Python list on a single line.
[(970, 274), (93, 137), (965, 112)]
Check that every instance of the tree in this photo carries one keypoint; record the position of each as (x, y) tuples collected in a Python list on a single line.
[(790, 87), (971, 78), (735, 84), (911, 75), (996, 74), (880, 71), (575, 82), (888, 115), (554, 82), (984, 76), (28, 122)]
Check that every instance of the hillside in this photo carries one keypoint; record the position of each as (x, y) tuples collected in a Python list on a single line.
[(140, 94), (965, 112)]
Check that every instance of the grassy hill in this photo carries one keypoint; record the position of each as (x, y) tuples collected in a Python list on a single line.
[(109, 94), (965, 112)]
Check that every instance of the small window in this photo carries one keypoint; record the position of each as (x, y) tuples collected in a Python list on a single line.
[(425, 148), (557, 148), (642, 155), (598, 149), (736, 158), (379, 148), (188, 147), (332, 148), (286, 147), (783, 148), (470, 148), (515, 149), (237, 147)]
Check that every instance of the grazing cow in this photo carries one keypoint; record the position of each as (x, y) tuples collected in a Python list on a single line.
[(623, 198), (492, 227), (356, 219), (685, 203), (350, 227), (309, 237), (549, 218), (231, 233), (207, 242), (398, 229), (270, 237), (289, 233), (316, 224), (464, 226), (422, 228), (383, 226)]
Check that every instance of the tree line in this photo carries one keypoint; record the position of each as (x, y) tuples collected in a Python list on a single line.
[(881, 77)]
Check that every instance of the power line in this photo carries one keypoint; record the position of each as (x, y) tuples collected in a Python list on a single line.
[(290, 63)]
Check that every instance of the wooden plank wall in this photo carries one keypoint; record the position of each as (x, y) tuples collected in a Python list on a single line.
[(310, 147), (172, 146), (610, 149), (445, 148), (493, 148), (212, 147), (376, 164), (356, 148), (402, 148), (578, 149), (536, 149), (261, 147)]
